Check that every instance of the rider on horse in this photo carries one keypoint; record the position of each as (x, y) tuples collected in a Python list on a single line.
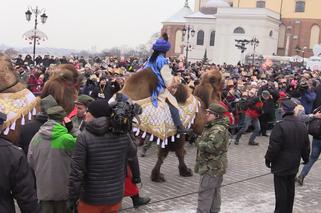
[(159, 64)]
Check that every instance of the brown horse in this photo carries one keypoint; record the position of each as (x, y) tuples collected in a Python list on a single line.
[(10, 84), (210, 87), (62, 85), (140, 86)]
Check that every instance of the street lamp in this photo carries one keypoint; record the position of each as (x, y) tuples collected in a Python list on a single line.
[(254, 42), (241, 45), (36, 35), (189, 32), (303, 51)]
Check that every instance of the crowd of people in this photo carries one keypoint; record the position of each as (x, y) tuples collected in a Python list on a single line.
[(255, 97)]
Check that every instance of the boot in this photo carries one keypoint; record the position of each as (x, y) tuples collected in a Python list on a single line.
[(253, 143), (182, 130), (299, 180), (140, 201)]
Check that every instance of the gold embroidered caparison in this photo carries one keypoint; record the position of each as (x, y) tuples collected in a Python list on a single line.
[(17, 105)]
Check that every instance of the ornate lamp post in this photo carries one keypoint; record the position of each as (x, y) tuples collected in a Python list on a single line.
[(254, 42), (35, 34), (188, 32), (303, 52), (241, 45)]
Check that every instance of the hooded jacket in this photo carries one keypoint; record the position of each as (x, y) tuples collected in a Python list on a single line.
[(98, 165), (49, 155)]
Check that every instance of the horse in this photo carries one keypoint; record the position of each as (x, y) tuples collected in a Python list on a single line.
[(140, 86), (21, 105)]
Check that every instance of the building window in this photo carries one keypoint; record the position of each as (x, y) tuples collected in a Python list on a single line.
[(300, 6), (212, 38), (282, 33), (271, 33), (260, 4), (239, 30), (314, 36), (200, 38)]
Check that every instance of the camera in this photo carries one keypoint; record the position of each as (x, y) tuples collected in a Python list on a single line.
[(123, 112)]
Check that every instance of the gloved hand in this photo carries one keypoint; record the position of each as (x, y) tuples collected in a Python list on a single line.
[(268, 163), (68, 124), (136, 180)]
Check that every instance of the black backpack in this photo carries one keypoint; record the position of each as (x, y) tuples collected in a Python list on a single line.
[(314, 127)]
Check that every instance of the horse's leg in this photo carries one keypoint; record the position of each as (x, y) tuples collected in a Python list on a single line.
[(147, 145), (156, 175), (180, 153)]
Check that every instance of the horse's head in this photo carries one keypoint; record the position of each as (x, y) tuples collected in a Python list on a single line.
[(213, 78), (210, 87), (8, 76), (63, 86)]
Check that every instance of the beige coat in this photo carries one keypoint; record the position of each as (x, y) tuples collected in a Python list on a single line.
[(168, 79)]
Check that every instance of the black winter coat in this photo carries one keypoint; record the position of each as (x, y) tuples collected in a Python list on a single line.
[(29, 130), (99, 164), (16, 180), (317, 101), (289, 142)]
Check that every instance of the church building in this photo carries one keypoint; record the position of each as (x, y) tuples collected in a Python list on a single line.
[(214, 25)]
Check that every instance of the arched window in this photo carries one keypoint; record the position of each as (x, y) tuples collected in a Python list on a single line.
[(300, 6), (281, 42), (200, 38), (239, 30), (178, 41), (271, 33), (212, 38), (314, 36), (260, 4)]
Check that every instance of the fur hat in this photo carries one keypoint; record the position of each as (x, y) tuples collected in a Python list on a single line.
[(216, 108)]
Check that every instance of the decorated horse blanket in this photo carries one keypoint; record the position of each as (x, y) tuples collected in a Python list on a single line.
[(158, 122), (17, 105)]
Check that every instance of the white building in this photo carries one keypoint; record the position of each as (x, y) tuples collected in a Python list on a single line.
[(216, 27)]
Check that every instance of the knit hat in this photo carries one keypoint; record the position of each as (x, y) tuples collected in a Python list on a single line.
[(288, 106), (216, 108), (84, 100), (161, 45), (47, 102), (100, 108)]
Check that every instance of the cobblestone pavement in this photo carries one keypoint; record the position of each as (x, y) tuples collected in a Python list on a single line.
[(252, 196)]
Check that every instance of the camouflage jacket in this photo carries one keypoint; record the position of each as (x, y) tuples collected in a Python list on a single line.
[(212, 148)]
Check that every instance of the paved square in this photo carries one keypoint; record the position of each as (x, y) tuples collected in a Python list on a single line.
[(252, 196)]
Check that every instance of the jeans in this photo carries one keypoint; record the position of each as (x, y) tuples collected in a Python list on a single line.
[(247, 122), (175, 115), (315, 153)]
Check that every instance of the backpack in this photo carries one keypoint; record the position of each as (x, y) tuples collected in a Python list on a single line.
[(314, 127)]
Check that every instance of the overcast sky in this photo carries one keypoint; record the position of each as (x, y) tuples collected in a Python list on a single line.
[(83, 24)]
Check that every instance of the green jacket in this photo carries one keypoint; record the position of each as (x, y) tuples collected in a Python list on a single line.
[(212, 148), (49, 156)]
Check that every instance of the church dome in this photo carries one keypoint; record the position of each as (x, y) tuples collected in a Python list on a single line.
[(216, 4), (210, 6)]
